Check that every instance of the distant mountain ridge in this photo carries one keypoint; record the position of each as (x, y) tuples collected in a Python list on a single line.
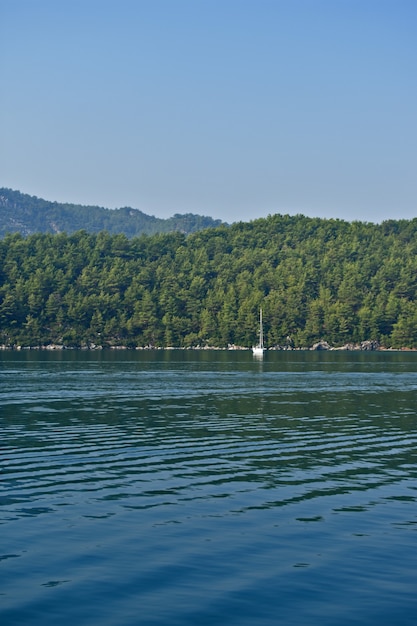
[(20, 212)]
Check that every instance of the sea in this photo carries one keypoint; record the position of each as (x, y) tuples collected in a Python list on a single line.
[(186, 487)]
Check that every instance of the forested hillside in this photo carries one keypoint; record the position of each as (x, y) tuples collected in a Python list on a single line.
[(315, 279), (28, 215)]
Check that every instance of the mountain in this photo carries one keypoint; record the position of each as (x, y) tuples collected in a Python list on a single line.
[(319, 282), (27, 215)]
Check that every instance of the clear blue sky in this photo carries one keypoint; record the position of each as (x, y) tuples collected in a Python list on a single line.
[(228, 108)]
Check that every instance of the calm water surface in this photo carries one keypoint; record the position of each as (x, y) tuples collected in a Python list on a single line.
[(195, 488)]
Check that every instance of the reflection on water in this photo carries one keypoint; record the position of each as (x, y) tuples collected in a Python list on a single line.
[(179, 487)]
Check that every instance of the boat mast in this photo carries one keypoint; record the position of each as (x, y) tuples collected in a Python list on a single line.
[(261, 331)]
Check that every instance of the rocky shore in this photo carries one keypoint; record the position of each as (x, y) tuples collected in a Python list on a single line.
[(369, 345)]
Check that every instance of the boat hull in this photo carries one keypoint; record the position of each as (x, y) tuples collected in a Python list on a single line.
[(258, 351)]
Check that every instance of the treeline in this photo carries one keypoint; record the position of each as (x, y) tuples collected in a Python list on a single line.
[(315, 279), (27, 214)]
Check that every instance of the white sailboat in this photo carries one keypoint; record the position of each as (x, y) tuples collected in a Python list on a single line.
[(259, 349)]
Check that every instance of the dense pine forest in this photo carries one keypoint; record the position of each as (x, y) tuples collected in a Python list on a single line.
[(315, 279), (22, 213)]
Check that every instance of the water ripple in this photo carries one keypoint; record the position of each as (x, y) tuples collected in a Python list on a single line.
[(165, 482)]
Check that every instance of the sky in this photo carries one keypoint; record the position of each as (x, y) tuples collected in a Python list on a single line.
[(235, 109)]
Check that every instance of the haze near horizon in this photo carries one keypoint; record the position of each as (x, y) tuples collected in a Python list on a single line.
[(233, 109)]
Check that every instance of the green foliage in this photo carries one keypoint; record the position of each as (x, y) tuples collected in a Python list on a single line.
[(315, 280), (28, 214)]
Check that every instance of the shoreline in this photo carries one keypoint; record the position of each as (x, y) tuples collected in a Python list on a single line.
[(363, 347)]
